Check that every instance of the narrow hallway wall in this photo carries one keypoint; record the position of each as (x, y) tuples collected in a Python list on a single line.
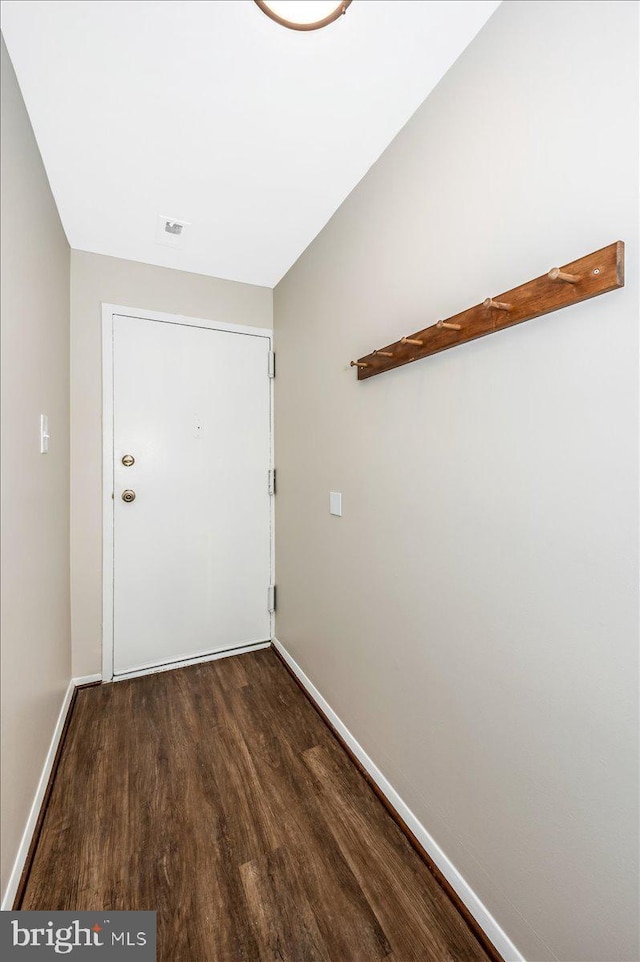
[(36, 640), (473, 616)]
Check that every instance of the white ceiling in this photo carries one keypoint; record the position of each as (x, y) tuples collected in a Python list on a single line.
[(211, 113)]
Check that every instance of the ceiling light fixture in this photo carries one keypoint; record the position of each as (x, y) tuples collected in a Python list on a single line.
[(303, 14)]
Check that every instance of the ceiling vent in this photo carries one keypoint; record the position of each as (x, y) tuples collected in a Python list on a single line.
[(170, 231)]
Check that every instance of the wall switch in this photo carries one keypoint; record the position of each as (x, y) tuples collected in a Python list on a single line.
[(335, 503), (44, 434)]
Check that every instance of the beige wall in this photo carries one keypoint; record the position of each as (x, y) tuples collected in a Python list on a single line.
[(473, 616), (36, 649), (96, 279)]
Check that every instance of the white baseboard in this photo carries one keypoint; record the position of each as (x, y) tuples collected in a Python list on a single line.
[(481, 914), (85, 680), (27, 835)]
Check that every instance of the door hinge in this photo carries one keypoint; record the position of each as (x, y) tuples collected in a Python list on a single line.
[(272, 481), (272, 597), (272, 364)]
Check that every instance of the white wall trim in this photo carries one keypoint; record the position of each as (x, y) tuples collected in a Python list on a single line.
[(86, 680), (27, 835), (481, 914), (185, 320), (108, 312), (199, 659)]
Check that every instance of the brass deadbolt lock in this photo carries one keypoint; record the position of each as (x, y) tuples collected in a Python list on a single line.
[(128, 460), (128, 495)]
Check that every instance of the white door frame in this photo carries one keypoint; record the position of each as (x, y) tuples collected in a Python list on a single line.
[(108, 505)]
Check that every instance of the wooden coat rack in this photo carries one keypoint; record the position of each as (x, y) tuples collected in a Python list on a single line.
[(589, 276)]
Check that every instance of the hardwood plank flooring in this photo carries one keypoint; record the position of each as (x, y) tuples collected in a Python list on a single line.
[(216, 795)]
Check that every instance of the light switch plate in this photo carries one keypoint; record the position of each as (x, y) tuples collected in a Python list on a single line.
[(335, 503), (44, 434)]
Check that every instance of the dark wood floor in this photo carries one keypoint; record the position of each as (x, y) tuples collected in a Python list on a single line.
[(216, 795)]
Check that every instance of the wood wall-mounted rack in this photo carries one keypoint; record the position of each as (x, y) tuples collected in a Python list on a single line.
[(589, 276)]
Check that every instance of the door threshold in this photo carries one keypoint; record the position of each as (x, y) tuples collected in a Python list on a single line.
[(185, 662)]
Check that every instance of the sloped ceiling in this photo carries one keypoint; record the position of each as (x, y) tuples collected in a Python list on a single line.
[(211, 113)]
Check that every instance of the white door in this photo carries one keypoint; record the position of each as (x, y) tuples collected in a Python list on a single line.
[(192, 551)]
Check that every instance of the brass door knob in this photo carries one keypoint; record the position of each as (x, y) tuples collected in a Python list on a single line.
[(128, 460), (128, 495)]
